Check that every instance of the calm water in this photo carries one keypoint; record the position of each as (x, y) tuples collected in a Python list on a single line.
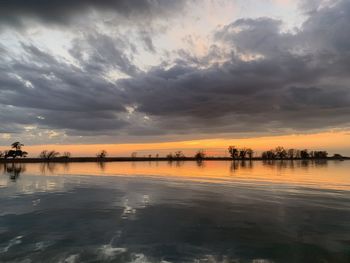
[(175, 212)]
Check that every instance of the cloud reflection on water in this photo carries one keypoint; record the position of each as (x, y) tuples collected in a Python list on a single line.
[(177, 216)]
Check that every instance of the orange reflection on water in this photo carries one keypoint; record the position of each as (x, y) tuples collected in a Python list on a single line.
[(320, 174)]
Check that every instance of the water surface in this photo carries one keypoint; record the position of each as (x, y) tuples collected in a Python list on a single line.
[(175, 212)]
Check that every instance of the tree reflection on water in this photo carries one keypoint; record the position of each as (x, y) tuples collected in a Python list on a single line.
[(243, 164), (14, 170)]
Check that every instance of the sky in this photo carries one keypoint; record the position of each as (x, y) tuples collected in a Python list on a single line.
[(155, 76)]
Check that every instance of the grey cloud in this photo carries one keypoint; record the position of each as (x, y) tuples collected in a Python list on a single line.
[(63, 95), (217, 90), (262, 34), (328, 29), (231, 100), (104, 53), (146, 38), (286, 86), (64, 11), (319, 97), (78, 123)]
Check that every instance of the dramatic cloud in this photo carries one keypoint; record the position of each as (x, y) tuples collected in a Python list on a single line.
[(276, 78), (254, 77), (15, 12)]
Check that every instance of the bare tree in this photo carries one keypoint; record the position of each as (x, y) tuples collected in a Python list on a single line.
[(250, 153), (66, 155), (102, 154), (179, 155), (49, 155), (43, 154), (233, 152), (52, 154), (243, 153)]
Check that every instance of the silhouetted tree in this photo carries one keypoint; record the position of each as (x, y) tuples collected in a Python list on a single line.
[(304, 154), (43, 154), (17, 152), (49, 155), (200, 155), (291, 153), (52, 154), (179, 155), (320, 154), (233, 152), (280, 152), (133, 154), (66, 155), (17, 145), (269, 155), (102, 154), (243, 153), (250, 153), (170, 156)]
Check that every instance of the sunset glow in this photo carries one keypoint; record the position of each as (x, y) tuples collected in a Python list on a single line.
[(334, 142)]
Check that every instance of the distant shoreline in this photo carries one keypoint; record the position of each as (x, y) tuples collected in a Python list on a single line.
[(151, 159)]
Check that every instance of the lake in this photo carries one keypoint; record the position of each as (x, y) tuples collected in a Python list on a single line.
[(211, 211)]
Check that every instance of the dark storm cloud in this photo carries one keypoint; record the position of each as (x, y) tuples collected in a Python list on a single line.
[(94, 122), (14, 12), (104, 53), (52, 93), (14, 119), (55, 85), (260, 35), (292, 78), (270, 81)]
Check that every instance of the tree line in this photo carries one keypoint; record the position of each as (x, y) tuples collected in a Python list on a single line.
[(16, 151), (278, 153), (282, 153)]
